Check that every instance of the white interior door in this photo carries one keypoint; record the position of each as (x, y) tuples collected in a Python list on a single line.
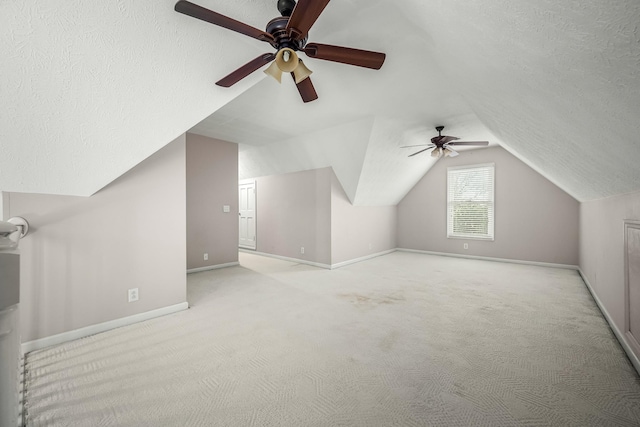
[(247, 215)]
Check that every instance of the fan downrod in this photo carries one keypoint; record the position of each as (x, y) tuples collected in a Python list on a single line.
[(439, 129)]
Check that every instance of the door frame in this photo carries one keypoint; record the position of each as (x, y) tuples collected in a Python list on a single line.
[(631, 339)]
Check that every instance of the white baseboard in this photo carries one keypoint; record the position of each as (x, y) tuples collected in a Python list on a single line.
[(212, 267), (364, 258), (619, 335), (284, 258), (485, 258), (100, 327), (317, 264)]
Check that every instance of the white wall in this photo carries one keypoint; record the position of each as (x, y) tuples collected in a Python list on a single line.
[(310, 209), (212, 182), (83, 254), (602, 251), (534, 220), (359, 231), (293, 211)]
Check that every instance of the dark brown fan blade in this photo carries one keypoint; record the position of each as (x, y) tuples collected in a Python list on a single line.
[(345, 55), (246, 69), (418, 152), (306, 89), (469, 143), (215, 18), (304, 15), (446, 139), (443, 139)]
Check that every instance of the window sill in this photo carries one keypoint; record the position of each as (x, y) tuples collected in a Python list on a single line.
[(486, 239)]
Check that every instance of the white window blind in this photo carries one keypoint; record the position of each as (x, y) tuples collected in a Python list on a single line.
[(470, 201)]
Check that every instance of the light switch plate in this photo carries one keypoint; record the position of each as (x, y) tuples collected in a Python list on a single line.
[(226, 208)]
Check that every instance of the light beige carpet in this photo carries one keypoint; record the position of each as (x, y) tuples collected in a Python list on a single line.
[(400, 340)]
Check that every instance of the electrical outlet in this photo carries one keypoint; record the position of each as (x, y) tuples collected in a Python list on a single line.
[(206, 256), (302, 249), (466, 246), (133, 295)]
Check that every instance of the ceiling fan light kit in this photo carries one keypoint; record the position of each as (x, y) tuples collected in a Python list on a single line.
[(287, 61), (274, 71), (443, 145), (448, 152), (301, 72), (287, 34)]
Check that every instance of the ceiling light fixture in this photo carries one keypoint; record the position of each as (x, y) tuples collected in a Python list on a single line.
[(287, 61), (448, 152), (301, 72)]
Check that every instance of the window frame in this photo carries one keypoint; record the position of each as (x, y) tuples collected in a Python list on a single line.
[(490, 236)]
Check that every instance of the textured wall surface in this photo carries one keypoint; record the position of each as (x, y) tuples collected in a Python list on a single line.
[(212, 182), (83, 254), (93, 88), (602, 249), (344, 147), (293, 211), (310, 209), (558, 83), (90, 89), (358, 231), (10, 275), (534, 219)]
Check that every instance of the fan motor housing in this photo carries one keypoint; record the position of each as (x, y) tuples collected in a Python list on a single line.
[(277, 27)]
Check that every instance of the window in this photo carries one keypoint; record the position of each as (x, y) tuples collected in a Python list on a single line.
[(470, 206)]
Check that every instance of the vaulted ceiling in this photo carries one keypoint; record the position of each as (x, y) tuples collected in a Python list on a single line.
[(90, 89)]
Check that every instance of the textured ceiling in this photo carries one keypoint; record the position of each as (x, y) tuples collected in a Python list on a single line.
[(90, 89), (557, 82), (398, 105)]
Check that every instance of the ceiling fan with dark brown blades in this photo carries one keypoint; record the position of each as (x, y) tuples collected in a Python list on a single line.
[(287, 34), (443, 145)]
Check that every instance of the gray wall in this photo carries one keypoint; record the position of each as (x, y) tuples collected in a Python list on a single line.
[(602, 249), (83, 254), (358, 231), (534, 219), (212, 182), (293, 211), (9, 279), (310, 209)]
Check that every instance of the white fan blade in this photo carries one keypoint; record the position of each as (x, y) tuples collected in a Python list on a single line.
[(419, 145)]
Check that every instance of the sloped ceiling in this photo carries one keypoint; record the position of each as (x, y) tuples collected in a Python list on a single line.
[(557, 82), (90, 89)]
